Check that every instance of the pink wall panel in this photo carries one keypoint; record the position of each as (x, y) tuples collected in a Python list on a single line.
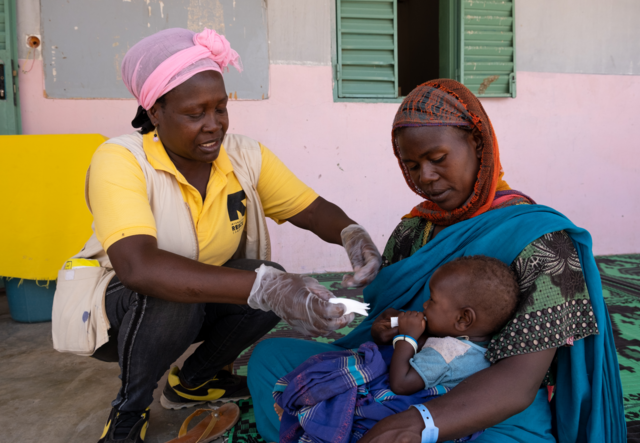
[(566, 140)]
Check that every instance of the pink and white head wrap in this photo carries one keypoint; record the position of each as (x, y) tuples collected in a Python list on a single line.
[(158, 63)]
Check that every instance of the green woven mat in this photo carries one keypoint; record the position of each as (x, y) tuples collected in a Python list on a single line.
[(621, 287), (245, 430)]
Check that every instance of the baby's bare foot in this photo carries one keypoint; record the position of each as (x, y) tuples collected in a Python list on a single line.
[(278, 410)]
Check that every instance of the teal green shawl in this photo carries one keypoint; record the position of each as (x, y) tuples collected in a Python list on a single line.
[(588, 403)]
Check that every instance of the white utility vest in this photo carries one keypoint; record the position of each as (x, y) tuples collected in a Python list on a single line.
[(79, 319)]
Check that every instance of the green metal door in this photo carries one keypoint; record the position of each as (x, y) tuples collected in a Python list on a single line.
[(9, 93)]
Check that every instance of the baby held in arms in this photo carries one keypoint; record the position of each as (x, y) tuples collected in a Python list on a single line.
[(472, 298), (339, 396)]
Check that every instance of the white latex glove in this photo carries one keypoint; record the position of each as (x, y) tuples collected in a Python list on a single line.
[(364, 256), (300, 301)]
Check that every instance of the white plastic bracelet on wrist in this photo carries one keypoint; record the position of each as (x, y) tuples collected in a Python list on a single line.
[(408, 339), (394, 321), (430, 432)]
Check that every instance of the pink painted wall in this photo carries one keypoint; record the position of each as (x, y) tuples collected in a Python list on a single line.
[(566, 140)]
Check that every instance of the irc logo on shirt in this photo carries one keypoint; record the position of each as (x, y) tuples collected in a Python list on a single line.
[(236, 209)]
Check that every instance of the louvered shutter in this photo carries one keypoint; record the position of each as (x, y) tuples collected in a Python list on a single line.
[(9, 103), (367, 49), (488, 47)]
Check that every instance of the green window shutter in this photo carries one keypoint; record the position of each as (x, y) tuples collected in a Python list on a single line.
[(10, 100), (487, 53), (367, 65)]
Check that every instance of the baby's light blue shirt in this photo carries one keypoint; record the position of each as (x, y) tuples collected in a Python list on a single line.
[(447, 361)]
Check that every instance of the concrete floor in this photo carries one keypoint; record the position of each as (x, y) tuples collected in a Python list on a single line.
[(60, 398)]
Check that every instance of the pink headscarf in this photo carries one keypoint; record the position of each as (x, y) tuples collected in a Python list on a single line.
[(158, 63)]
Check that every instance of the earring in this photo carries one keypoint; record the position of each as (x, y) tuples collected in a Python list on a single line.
[(155, 135)]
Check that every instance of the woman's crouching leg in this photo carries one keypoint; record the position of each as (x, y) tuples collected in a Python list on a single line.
[(533, 425), (227, 330), (151, 334), (271, 360)]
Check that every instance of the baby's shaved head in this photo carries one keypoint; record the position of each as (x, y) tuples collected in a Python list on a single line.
[(485, 284)]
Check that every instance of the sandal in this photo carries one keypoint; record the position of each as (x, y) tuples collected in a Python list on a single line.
[(213, 426)]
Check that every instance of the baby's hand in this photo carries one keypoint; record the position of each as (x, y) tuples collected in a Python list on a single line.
[(381, 330), (411, 323)]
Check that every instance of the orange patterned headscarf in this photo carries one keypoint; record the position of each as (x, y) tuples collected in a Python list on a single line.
[(446, 102)]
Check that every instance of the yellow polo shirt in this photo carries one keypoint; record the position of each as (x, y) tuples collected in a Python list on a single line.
[(120, 205)]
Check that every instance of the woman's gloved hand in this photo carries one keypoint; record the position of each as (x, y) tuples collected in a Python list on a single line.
[(300, 301), (363, 254)]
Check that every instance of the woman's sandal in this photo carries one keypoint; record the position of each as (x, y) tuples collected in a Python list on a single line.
[(211, 427)]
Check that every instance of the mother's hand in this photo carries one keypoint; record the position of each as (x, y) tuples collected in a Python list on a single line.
[(405, 427), (483, 400), (381, 330), (300, 301)]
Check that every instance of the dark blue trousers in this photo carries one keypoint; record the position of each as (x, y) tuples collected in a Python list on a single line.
[(147, 334)]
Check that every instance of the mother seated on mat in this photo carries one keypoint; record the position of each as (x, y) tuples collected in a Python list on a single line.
[(560, 336)]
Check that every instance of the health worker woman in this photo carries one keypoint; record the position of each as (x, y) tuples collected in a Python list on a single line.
[(179, 231)]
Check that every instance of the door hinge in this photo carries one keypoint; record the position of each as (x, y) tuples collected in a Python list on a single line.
[(512, 84), (15, 89), (2, 82)]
